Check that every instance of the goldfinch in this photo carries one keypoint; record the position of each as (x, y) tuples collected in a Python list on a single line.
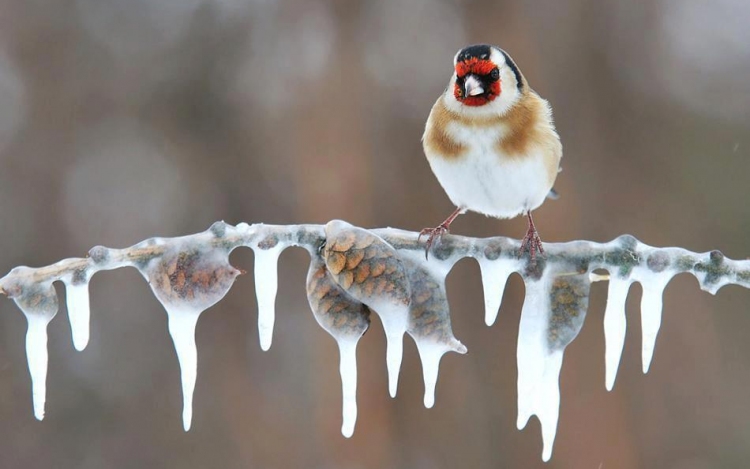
[(491, 143)]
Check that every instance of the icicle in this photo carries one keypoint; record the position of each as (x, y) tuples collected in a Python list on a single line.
[(430, 354), (182, 329), (346, 320), (394, 348), (348, 371), (552, 315), (495, 275), (77, 296), (369, 270), (38, 303), (266, 286), (36, 355), (614, 326), (651, 309), (187, 279)]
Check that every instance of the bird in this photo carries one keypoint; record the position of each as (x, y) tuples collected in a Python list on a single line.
[(491, 143)]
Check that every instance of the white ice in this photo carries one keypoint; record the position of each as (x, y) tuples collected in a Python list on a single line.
[(182, 324), (36, 354), (615, 326), (348, 371), (494, 277), (651, 310), (538, 367), (266, 286), (78, 313)]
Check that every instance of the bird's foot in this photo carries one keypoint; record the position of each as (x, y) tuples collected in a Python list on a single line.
[(531, 243), (433, 235)]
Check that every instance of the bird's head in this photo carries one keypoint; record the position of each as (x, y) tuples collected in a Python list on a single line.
[(485, 77)]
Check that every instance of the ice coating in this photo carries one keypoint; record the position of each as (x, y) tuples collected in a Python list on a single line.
[(495, 275), (369, 270), (553, 312), (77, 300), (346, 320), (615, 326), (266, 286), (429, 317), (188, 279)]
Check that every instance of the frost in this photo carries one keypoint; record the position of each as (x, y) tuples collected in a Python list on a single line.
[(266, 286), (77, 296), (188, 279), (614, 327)]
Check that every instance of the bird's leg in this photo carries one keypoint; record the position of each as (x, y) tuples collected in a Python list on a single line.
[(434, 234), (531, 242)]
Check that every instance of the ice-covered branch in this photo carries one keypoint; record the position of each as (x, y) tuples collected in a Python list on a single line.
[(354, 272)]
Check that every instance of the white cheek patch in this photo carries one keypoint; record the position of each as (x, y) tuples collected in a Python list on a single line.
[(497, 57)]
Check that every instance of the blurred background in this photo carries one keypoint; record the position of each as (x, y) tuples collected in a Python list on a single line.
[(121, 120)]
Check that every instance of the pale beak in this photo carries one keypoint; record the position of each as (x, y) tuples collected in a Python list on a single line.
[(472, 86)]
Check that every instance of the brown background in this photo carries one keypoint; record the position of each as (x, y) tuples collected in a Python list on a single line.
[(123, 120)]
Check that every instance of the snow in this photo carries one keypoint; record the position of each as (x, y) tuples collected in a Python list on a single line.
[(614, 327), (77, 296), (266, 286)]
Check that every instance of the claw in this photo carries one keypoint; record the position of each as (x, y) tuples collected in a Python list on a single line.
[(438, 231), (434, 235)]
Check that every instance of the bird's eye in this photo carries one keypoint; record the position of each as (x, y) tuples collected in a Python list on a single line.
[(495, 74)]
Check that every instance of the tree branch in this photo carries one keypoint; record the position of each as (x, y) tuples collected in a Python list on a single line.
[(712, 269), (354, 272)]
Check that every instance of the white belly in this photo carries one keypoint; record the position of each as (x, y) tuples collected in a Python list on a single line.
[(485, 182)]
